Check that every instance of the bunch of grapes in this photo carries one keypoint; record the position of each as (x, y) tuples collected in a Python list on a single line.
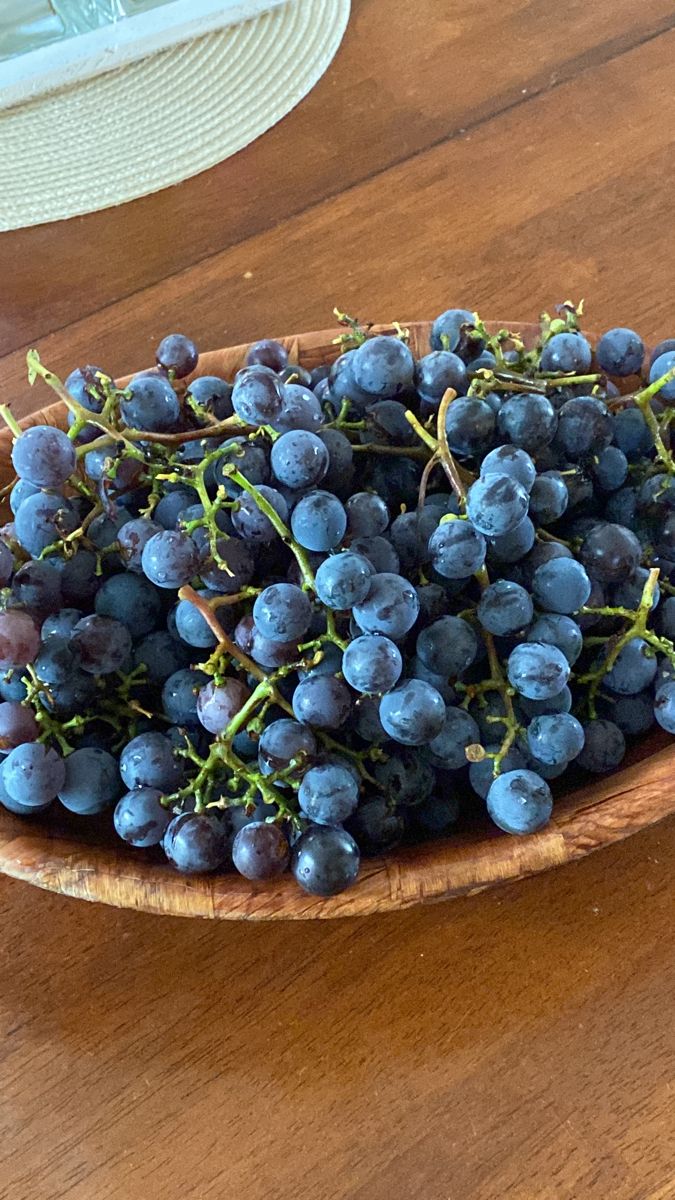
[(295, 618)]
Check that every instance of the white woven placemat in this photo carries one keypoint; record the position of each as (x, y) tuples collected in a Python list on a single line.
[(164, 119)]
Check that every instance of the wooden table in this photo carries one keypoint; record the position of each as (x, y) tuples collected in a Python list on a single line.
[(517, 1044)]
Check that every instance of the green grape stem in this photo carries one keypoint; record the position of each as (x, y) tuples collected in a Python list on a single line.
[(277, 523), (642, 400), (637, 628)]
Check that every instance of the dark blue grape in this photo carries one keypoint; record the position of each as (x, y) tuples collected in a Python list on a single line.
[(407, 778), (235, 569), (260, 851), (148, 761), (660, 367), (604, 747), (482, 774), (195, 842), (162, 655), (390, 606), (343, 580), (549, 497), (584, 427), (267, 353), (514, 545), (21, 491), (283, 743), (447, 329), (610, 553), (631, 433), (92, 781), (367, 515), (60, 623), (248, 458), (282, 612), (44, 455), (438, 371), (132, 600), (520, 802), (387, 425), (457, 549), (568, 353), (260, 649), (37, 586), (664, 707), (171, 507), (538, 671), (528, 420), (177, 353), (610, 471), (447, 646), (102, 644), (383, 366), (300, 409), (513, 461), (496, 504), (470, 425), (179, 696), (251, 523), (376, 826), (555, 738), (504, 608), (634, 715), (319, 521), (325, 860), (218, 704), (620, 352), (340, 461), (191, 626), (328, 794), (140, 818), (459, 730), (79, 581), (561, 586), (412, 714), (169, 559), (322, 701), (150, 403), (256, 395), (213, 394), (634, 668), (33, 774), (379, 552), (372, 664), (556, 630), (43, 519), (299, 459), (132, 537)]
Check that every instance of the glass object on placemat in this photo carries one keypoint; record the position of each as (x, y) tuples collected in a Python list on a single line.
[(29, 24)]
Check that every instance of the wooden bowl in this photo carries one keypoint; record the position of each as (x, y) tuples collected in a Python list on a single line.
[(82, 857)]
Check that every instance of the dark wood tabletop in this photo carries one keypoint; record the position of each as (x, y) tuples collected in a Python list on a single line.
[(519, 1043)]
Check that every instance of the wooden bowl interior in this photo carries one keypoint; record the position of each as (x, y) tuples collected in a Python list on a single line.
[(82, 857)]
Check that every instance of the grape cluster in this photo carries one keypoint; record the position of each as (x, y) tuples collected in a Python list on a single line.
[(291, 619)]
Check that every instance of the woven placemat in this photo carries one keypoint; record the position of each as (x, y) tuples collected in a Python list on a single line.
[(163, 119)]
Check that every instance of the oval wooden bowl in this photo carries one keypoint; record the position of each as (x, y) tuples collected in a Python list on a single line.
[(81, 857)]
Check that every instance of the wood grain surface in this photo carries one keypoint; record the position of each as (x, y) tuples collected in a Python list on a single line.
[(516, 1045)]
